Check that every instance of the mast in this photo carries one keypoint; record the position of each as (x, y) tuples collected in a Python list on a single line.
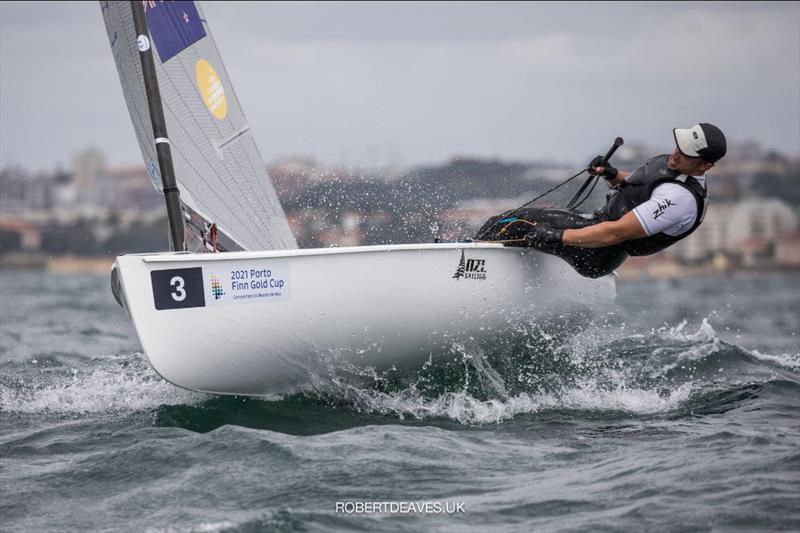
[(172, 195)]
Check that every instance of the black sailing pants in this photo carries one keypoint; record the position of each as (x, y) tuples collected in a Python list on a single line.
[(510, 229)]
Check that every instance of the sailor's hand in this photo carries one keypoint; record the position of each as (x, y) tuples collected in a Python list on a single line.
[(599, 168), (544, 237)]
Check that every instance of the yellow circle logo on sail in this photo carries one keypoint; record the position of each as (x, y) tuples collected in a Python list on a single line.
[(211, 89)]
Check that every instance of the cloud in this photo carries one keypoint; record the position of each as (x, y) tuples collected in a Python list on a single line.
[(426, 80)]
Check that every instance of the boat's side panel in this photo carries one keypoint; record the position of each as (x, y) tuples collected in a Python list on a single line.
[(259, 325)]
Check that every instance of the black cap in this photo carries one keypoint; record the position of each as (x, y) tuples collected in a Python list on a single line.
[(701, 140)]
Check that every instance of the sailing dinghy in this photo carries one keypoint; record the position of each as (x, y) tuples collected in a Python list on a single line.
[(249, 313)]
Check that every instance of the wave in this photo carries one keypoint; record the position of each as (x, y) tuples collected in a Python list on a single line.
[(114, 384), (656, 374), (788, 361), (666, 372), (466, 409)]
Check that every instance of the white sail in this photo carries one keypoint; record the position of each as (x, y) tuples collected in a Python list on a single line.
[(218, 168)]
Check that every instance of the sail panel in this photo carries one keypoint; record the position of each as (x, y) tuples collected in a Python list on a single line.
[(214, 153)]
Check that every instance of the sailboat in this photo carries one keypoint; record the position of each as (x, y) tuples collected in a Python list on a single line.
[(235, 307)]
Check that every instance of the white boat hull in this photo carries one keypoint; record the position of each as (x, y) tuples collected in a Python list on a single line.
[(255, 323)]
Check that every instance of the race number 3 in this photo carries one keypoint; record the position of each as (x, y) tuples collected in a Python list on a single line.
[(178, 288), (179, 295)]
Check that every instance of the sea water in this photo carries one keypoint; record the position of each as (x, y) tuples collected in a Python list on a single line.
[(678, 410)]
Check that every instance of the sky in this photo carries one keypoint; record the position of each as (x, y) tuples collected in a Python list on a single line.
[(414, 83)]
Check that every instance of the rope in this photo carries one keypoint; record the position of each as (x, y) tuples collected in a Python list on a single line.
[(553, 189)]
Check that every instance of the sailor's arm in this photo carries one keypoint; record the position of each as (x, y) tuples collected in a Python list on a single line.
[(621, 175), (616, 180), (605, 233)]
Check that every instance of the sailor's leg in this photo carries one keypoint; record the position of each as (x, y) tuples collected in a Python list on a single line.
[(510, 227), (491, 227), (593, 262), (561, 218)]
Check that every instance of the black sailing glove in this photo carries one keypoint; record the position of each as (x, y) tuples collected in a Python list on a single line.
[(596, 162), (608, 172), (544, 237)]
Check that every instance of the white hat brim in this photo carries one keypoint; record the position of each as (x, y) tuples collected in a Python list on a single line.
[(690, 140), (683, 139)]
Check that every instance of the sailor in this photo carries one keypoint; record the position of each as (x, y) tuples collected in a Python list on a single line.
[(649, 209)]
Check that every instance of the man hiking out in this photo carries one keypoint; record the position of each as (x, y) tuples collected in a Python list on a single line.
[(650, 208)]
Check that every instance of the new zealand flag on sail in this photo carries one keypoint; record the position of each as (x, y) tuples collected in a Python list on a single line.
[(173, 25)]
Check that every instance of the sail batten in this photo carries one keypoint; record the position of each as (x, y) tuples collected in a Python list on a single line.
[(218, 168), (233, 137)]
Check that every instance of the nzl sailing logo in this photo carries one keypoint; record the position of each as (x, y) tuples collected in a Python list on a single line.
[(470, 268)]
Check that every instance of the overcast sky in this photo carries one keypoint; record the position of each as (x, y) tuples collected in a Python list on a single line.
[(420, 82)]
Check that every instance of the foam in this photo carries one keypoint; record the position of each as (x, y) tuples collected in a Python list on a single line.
[(587, 395), (463, 408), (122, 388), (786, 360), (705, 333)]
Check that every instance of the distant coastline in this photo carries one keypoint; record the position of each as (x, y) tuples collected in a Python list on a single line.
[(62, 264), (672, 270)]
